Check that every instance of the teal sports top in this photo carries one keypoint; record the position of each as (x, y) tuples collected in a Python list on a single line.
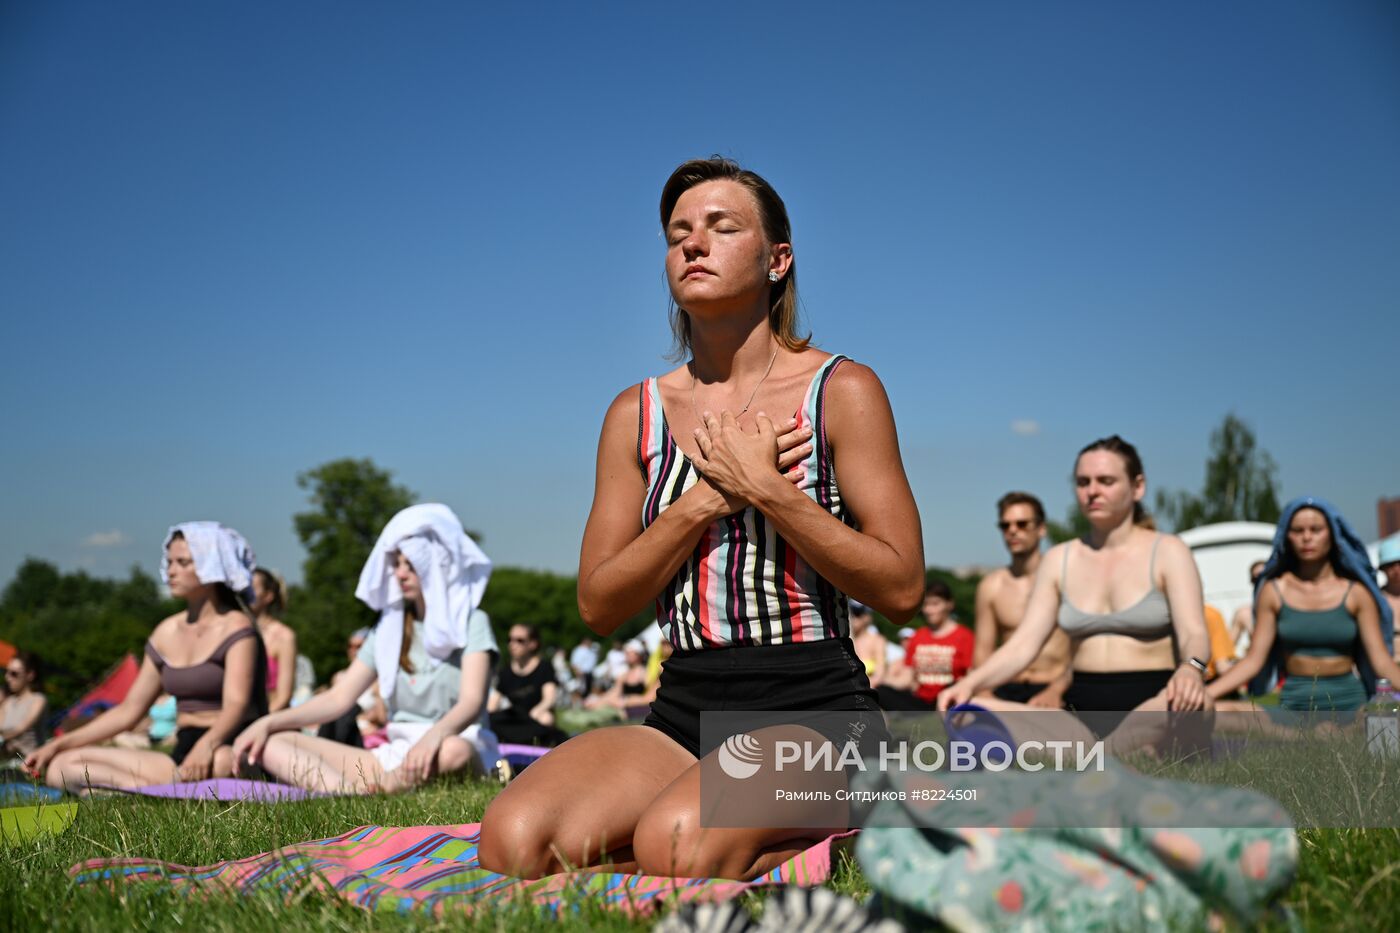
[(1316, 632)]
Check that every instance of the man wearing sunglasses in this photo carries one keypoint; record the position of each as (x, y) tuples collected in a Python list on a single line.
[(1001, 601)]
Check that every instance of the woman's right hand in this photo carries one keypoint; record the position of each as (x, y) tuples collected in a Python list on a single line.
[(955, 695), (248, 747), (37, 763)]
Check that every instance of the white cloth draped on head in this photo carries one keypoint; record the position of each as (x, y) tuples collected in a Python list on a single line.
[(452, 574), (221, 555)]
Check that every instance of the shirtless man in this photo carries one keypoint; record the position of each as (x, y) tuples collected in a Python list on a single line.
[(1389, 561), (1001, 600)]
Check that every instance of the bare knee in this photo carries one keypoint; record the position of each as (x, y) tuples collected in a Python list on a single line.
[(515, 838), (223, 762), (278, 754), (62, 764), (670, 841), (456, 753)]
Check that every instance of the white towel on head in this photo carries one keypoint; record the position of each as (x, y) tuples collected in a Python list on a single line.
[(221, 555), (452, 573)]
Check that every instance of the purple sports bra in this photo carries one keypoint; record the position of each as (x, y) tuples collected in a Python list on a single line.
[(198, 687)]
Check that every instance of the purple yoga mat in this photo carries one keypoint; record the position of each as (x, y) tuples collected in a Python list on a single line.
[(521, 751), (228, 790)]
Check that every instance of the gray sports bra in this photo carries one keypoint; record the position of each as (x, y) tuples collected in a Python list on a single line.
[(1147, 619)]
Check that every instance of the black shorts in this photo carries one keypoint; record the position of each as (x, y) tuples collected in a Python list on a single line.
[(1017, 692), (184, 741), (820, 676), (187, 736), (1108, 698)]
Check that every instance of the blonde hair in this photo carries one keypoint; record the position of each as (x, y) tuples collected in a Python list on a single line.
[(783, 311)]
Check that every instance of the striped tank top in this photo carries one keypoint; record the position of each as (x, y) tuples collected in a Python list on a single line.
[(743, 584)]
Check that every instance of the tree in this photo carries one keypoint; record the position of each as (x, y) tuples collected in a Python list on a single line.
[(78, 625), (550, 603), (1240, 483), (352, 501)]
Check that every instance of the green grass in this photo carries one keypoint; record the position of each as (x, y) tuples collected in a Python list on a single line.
[(36, 890), (1348, 879)]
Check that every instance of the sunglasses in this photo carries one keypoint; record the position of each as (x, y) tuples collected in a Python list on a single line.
[(1020, 524), (15, 674)]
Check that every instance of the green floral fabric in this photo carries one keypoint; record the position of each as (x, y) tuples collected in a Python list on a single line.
[(1122, 858)]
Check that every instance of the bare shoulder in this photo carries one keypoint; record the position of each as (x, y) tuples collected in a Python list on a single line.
[(625, 405), (1054, 560), (235, 621), (855, 396), (1174, 549), (166, 634), (1359, 599), (166, 628), (621, 421), (278, 633), (992, 582), (853, 383), (1269, 595)]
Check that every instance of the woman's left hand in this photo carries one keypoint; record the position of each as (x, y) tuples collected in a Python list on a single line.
[(737, 460), (1186, 691), (198, 764), (421, 760)]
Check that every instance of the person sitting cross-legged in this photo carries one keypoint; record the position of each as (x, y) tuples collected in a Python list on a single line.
[(432, 653)]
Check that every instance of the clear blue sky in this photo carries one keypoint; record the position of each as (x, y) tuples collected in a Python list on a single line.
[(241, 239)]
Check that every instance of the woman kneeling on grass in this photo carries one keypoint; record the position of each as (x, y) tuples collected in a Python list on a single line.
[(208, 657), (747, 565), (431, 652)]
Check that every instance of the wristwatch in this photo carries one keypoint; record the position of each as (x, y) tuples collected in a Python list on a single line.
[(1198, 664)]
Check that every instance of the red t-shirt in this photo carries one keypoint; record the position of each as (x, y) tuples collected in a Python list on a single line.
[(937, 662)]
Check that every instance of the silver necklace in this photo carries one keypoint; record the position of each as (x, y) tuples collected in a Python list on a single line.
[(698, 420)]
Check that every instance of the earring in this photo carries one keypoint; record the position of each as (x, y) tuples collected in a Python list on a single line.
[(772, 276)]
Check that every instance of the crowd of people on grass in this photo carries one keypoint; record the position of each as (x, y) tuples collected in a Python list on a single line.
[(1309, 604), (767, 576)]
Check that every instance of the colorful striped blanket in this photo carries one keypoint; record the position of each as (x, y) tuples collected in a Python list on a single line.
[(433, 869)]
